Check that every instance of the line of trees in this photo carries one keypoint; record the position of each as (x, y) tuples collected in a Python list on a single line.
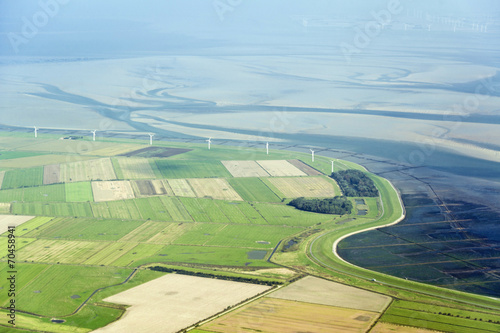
[(214, 276), (336, 205), (355, 183)]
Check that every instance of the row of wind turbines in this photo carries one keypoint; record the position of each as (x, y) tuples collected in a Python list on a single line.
[(209, 141)]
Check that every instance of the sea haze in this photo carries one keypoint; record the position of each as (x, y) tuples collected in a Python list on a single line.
[(409, 89)]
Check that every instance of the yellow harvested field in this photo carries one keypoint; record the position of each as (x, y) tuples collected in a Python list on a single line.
[(113, 150), (281, 168), (314, 290), (4, 207), (12, 220), (304, 187), (269, 315), (215, 188), (181, 188), (112, 190), (67, 252), (97, 169), (32, 161), (245, 169), (173, 302), (2, 174), (136, 168), (392, 328)]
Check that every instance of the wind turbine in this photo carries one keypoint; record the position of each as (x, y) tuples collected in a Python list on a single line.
[(312, 154), (332, 166), (209, 142), (93, 135), (151, 138), (267, 148), (36, 129)]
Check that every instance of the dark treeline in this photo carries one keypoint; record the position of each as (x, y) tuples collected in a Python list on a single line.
[(355, 183), (214, 276), (336, 205)]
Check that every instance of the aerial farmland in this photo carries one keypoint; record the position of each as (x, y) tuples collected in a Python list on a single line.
[(97, 237)]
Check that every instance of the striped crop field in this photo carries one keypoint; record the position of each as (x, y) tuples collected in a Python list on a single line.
[(215, 188), (253, 189), (23, 178), (98, 169), (192, 169)]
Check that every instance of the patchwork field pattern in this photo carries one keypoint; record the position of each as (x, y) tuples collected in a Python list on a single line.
[(284, 316), (280, 168), (202, 296), (245, 169), (136, 168), (99, 169), (304, 187), (112, 190), (215, 188)]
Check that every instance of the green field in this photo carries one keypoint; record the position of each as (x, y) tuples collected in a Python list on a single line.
[(7, 155), (48, 193), (52, 209), (23, 178), (192, 169), (253, 189), (79, 192)]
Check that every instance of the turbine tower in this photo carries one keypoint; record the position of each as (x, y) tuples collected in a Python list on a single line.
[(209, 142), (151, 138), (93, 135), (267, 148), (36, 133), (312, 154)]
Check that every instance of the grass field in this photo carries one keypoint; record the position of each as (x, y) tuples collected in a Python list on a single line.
[(253, 189), (23, 178), (54, 292), (191, 169), (4, 208), (85, 229), (135, 168), (79, 192), (52, 209), (2, 174), (49, 193), (60, 251)]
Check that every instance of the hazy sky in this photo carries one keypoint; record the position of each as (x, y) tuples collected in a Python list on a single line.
[(65, 27)]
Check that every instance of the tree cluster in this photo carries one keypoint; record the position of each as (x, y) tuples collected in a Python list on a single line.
[(355, 183), (336, 205)]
